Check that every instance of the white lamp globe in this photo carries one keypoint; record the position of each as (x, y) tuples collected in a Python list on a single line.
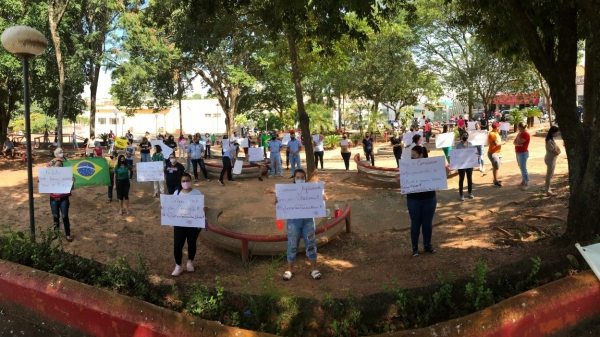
[(24, 41)]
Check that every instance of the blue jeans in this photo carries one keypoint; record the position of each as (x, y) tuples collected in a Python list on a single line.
[(522, 160), (130, 163), (503, 134), (75, 146), (61, 205), (275, 160), (301, 228), (421, 219), (195, 163), (145, 157), (480, 153), (112, 146), (188, 166), (295, 162)]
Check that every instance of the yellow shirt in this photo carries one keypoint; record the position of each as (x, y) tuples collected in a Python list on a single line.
[(111, 165), (493, 148)]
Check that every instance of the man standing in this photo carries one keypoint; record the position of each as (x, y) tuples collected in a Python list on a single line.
[(483, 122), (75, 146), (275, 146), (129, 156), (228, 160), (195, 151), (495, 152), (294, 146)]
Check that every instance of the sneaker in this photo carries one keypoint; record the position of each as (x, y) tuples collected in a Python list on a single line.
[(430, 249), (221, 182), (269, 176), (189, 266), (178, 270), (280, 175), (415, 252), (207, 180), (109, 200), (497, 183), (260, 178), (482, 169), (462, 197), (525, 188), (195, 180), (471, 196), (231, 181), (322, 169)]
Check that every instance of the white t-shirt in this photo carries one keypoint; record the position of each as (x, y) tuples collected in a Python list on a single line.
[(319, 145)]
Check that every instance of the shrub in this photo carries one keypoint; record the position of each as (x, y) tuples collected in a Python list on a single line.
[(332, 141)]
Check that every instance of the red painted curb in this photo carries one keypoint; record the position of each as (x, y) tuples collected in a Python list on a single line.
[(357, 161), (543, 311), (100, 312)]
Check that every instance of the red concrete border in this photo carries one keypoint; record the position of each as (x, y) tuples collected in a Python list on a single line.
[(543, 311), (100, 312), (359, 163)]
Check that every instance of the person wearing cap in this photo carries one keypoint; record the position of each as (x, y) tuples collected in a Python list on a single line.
[(495, 152), (294, 146)]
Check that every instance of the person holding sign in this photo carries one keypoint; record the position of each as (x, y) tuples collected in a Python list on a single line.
[(368, 148), (345, 145), (174, 171), (228, 161), (112, 163), (447, 149), (122, 183), (305, 229), (158, 156), (521, 143), (495, 152), (183, 234), (262, 165), (421, 208), (59, 203), (465, 144), (318, 150)]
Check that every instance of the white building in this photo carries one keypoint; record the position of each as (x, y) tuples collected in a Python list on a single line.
[(204, 116)]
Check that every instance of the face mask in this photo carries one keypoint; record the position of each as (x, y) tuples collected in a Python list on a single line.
[(274, 138), (60, 155), (186, 185), (122, 162), (301, 181), (465, 138), (111, 157), (173, 160)]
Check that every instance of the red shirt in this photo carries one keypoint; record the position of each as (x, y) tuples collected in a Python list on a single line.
[(98, 151), (525, 146)]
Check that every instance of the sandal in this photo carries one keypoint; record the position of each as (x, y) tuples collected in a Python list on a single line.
[(69, 238), (316, 274), (287, 275)]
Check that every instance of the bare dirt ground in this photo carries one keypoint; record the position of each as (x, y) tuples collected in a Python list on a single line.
[(501, 227)]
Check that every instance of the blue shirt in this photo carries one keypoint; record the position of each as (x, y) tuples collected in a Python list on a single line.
[(195, 150), (228, 152), (294, 144), (275, 146)]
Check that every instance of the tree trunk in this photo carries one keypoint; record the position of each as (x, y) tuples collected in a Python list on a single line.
[(339, 112), (54, 17), (180, 91), (95, 72), (302, 115), (4, 120)]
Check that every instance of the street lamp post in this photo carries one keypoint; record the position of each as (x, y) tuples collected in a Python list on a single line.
[(25, 43), (266, 124), (116, 111)]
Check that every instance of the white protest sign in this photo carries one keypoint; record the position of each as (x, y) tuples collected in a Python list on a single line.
[(182, 210), (463, 158), (166, 151), (237, 167), (408, 136), (444, 140), (478, 137), (344, 142), (243, 142), (150, 171), (225, 145), (423, 174), (300, 201), (504, 126), (316, 138), (57, 180), (406, 152), (285, 138), (591, 254), (203, 142), (255, 154), (472, 125)]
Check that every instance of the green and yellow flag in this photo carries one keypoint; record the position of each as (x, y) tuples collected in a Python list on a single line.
[(120, 143), (90, 171)]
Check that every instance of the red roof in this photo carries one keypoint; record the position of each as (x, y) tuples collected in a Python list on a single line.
[(508, 99)]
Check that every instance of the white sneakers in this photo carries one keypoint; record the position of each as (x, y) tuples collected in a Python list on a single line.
[(179, 270)]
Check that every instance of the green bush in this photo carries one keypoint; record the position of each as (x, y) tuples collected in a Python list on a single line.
[(332, 141)]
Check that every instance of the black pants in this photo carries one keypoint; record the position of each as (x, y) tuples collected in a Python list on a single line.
[(172, 185), (226, 168), (287, 159), (346, 157), (461, 179), (398, 157), (318, 156), (195, 163), (123, 189), (58, 206), (369, 153), (427, 136), (180, 235), (110, 188), (130, 163), (207, 153)]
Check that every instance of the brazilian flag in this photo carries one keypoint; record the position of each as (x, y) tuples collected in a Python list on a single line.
[(121, 143), (90, 172)]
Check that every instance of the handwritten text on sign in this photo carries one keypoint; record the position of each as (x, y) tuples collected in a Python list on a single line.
[(150, 171), (478, 137), (182, 210), (300, 201), (256, 154), (463, 158), (422, 175), (57, 180)]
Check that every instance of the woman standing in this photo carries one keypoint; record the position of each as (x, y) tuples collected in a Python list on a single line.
[(479, 148), (183, 234), (521, 143), (208, 141), (171, 143), (397, 148), (421, 208), (112, 163), (368, 148), (552, 152), (345, 145), (503, 133), (145, 147), (305, 229), (427, 130), (465, 144), (59, 203), (181, 145), (158, 156), (447, 149), (318, 151), (174, 171), (122, 183)]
